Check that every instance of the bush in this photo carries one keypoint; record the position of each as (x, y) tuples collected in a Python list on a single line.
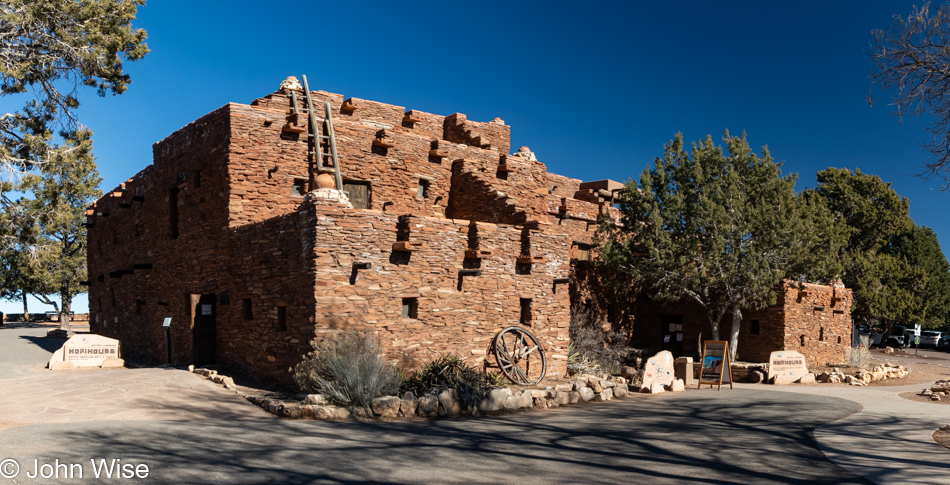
[(349, 369), (451, 372), (860, 357), (595, 347)]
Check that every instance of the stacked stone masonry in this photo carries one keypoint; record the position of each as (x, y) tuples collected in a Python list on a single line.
[(226, 234), (224, 227)]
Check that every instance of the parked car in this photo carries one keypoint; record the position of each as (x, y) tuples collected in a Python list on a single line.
[(930, 338), (944, 342)]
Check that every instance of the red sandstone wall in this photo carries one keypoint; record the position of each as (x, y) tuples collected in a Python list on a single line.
[(128, 301), (818, 322), (450, 319)]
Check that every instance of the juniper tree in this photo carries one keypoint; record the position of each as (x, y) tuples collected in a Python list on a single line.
[(718, 227)]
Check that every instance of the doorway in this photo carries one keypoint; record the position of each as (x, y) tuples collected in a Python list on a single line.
[(205, 330), (671, 331)]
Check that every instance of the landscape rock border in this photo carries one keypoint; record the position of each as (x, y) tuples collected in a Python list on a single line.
[(446, 403)]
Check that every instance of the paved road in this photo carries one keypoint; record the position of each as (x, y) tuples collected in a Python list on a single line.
[(753, 434), (739, 436)]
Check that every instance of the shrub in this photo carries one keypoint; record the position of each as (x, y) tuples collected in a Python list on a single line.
[(349, 369), (451, 372), (595, 346), (578, 363), (860, 357)]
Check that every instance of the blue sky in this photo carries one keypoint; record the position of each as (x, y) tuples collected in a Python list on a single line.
[(595, 89)]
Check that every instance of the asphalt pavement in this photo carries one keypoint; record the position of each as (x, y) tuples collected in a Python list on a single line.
[(751, 434)]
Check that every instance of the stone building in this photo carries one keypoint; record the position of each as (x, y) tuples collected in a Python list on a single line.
[(442, 239), (809, 318), (439, 239)]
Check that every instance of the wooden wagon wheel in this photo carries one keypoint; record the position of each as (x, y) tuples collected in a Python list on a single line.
[(520, 356)]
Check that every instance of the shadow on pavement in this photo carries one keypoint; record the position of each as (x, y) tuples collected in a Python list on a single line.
[(707, 437)]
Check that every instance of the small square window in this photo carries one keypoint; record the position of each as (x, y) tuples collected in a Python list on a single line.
[(423, 191), (410, 308), (299, 187), (582, 251)]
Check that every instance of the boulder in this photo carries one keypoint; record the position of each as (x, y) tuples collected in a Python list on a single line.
[(520, 400), (678, 385), (620, 391), (495, 400), (655, 388), (326, 412), (573, 397), (586, 393), (428, 406), (782, 380), (935, 397), (606, 394), (408, 404), (629, 372), (113, 363), (62, 365), (386, 406), (595, 385), (341, 413), (315, 399), (808, 378), (562, 398)]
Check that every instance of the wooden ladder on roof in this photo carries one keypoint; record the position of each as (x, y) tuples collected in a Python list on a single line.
[(315, 138)]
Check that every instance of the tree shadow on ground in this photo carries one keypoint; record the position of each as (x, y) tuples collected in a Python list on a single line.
[(708, 437)]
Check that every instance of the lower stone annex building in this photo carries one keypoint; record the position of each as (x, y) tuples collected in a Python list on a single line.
[(441, 239)]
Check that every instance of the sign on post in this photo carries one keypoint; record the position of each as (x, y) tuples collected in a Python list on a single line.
[(715, 364)]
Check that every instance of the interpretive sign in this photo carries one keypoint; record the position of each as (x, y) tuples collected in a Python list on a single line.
[(787, 364), (87, 350), (715, 364)]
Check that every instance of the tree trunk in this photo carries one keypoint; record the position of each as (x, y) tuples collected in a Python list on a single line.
[(734, 334), (714, 325), (64, 312), (26, 309)]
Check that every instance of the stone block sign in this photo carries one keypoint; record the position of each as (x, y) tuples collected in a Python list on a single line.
[(85, 350), (787, 364), (658, 370)]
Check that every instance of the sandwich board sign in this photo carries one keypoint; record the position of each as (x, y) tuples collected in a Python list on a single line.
[(715, 364)]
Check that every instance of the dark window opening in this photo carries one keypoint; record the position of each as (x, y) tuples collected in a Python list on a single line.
[(173, 212), (402, 228), (754, 328), (501, 175), (247, 309), (197, 178), (821, 334), (358, 193), (526, 311), (299, 187), (839, 339), (282, 318), (522, 268), (801, 339), (423, 190), (410, 308)]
